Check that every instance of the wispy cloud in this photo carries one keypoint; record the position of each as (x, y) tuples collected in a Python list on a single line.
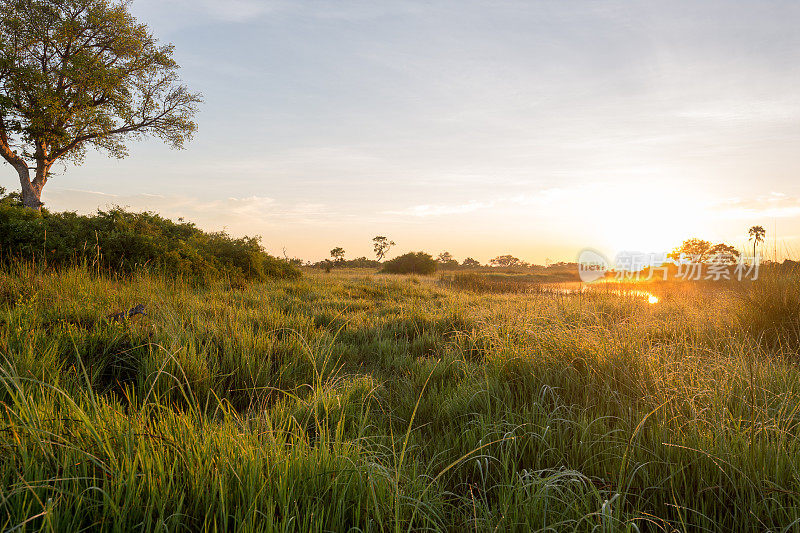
[(540, 199), (773, 205), (427, 210), (243, 214)]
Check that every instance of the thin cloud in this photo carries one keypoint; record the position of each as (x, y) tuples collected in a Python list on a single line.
[(427, 210), (773, 205), (242, 213)]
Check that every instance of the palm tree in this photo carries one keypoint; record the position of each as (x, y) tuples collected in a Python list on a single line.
[(757, 236)]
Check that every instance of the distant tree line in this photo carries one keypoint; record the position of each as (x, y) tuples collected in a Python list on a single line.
[(424, 263), (694, 249)]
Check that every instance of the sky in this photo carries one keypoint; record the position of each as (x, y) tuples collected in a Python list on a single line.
[(536, 128)]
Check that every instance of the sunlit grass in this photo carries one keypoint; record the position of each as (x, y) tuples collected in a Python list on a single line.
[(354, 401)]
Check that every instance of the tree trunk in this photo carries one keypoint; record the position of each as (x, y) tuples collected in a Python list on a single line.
[(31, 192)]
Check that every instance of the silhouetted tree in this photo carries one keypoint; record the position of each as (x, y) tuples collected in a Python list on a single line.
[(505, 261), (78, 74), (723, 253), (470, 263), (702, 251), (338, 254), (695, 249), (381, 245), (446, 261), (757, 236)]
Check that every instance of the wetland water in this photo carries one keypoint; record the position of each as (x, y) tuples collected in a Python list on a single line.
[(598, 288)]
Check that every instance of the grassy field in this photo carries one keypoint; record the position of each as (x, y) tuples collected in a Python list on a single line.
[(360, 402)]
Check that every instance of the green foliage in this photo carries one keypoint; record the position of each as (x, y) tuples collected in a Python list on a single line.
[(78, 74), (110, 74), (123, 242), (361, 262), (411, 263), (13, 199)]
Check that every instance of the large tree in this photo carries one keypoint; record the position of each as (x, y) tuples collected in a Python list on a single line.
[(76, 74)]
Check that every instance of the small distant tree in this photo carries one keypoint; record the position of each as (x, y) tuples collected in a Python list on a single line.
[(757, 236), (702, 251), (338, 254), (505, 261), (724, 254), (381, 245), (446, 261), (470, 263)]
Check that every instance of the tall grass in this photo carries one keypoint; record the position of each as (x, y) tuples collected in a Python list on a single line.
[(375, 403), (769, 309)]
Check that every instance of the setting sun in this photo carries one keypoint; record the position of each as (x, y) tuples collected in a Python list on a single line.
[(646, 218)]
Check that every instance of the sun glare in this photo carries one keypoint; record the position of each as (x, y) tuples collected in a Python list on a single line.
[(652, 299), (645, 219)]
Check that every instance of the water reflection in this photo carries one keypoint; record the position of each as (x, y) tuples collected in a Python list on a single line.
[(580, 288)]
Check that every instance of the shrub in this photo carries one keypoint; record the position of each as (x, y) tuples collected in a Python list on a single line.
[(121, 242), (411, 263)]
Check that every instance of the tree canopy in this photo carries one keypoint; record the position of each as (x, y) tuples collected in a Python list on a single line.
[(470, 263), (338, 254), (78, 74), (505, 261), (701, 251)]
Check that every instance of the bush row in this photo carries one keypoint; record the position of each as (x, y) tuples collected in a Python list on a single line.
[(121, 241)]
